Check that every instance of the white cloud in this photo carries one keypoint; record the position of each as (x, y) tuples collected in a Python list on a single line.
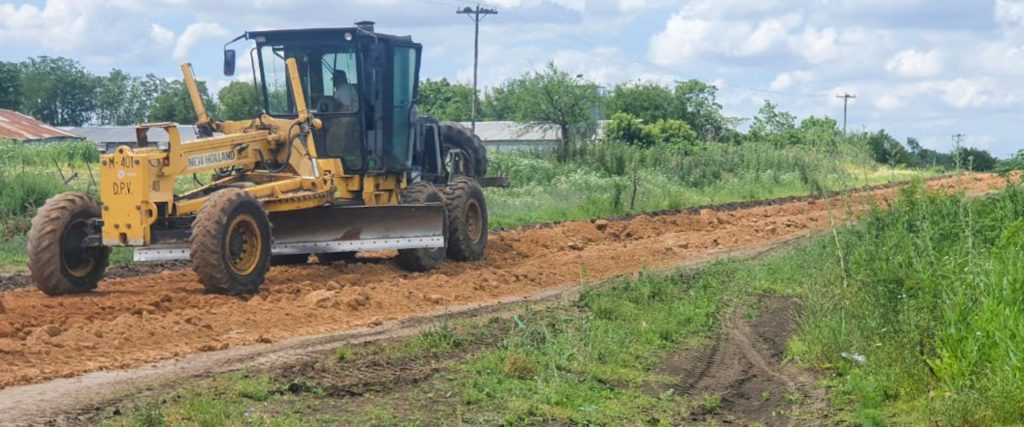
[(785, 80), (889, 102), (681, 39), (814, 45), (193, 34), (109, 31), (913, 63), (631, 6), (687, 35), (162, 35), (966, 93), (1009, 12), (768, 33)]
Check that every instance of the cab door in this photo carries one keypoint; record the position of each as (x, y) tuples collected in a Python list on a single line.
[(404, 84)]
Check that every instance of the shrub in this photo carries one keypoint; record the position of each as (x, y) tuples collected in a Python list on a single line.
[(673, 132), (626, 128)]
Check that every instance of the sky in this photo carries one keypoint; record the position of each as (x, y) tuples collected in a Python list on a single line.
[(927, 69)]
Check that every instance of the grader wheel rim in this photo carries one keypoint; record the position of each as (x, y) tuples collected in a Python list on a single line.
[(474, 221), (244, 245), (73, 256)]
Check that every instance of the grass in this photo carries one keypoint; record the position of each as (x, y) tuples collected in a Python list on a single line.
[(590, 362), (931, 298), (611, 179), (928, 292), (241, 396)]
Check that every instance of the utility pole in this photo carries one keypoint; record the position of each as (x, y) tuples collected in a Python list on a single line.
[(476, 15), (846, 101), (958, 141)]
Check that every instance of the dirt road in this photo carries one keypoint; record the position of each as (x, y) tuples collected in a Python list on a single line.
[(134, 321)]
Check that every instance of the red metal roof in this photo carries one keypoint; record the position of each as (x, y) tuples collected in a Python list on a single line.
[(19, 127)]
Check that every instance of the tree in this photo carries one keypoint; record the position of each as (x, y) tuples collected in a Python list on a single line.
[(695, 103), (446, 101), (645, 101), (10, 85), (673, 132), (57, 91), (975, 159), (497, 106), (924, 157), (1015, 163), (820, 131), (123, 99), (239, 101), (886, 149), (553, 98), (173, 104), (777, 127)]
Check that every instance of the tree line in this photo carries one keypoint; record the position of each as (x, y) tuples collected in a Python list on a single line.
[(61, 92), (687, 113)]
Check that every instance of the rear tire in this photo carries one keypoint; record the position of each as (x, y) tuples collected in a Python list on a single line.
[(467, 219), (58, 265), (455, 135), (231, 243), (423, 259)]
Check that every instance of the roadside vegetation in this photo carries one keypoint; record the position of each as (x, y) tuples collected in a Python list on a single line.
[(909, 317), (608, 178), (923, 325), (588, 363)]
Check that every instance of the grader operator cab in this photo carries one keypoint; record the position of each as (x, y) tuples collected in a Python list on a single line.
[(339, 162)]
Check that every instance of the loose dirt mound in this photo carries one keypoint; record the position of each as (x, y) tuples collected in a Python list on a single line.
[(132, 321)]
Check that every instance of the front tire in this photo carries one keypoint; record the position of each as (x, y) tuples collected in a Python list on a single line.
[(231, 243), (58, 262), (422, 259), (467, 219)]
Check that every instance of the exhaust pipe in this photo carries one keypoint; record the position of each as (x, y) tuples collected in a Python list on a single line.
[(365, 26)]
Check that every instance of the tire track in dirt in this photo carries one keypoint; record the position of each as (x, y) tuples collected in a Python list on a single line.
[(744, 370), (133, 321)]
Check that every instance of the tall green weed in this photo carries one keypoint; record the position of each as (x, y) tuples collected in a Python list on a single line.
[(932, 299)]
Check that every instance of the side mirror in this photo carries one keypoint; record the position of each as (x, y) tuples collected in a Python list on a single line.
[(229, 62)]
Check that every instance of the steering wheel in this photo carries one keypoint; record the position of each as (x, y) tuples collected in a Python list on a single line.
[(327, 104)]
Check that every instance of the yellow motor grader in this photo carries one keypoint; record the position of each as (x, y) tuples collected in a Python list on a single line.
[(339, 162)]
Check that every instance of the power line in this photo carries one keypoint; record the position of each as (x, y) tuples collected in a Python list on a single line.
[(476, 15)]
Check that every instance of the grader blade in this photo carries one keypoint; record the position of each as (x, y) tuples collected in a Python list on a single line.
[(335, 229)]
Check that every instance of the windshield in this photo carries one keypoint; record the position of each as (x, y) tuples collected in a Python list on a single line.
[(329, 75)]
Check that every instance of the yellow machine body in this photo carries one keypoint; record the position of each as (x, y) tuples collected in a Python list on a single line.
[(137, 184), (271, 198)]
